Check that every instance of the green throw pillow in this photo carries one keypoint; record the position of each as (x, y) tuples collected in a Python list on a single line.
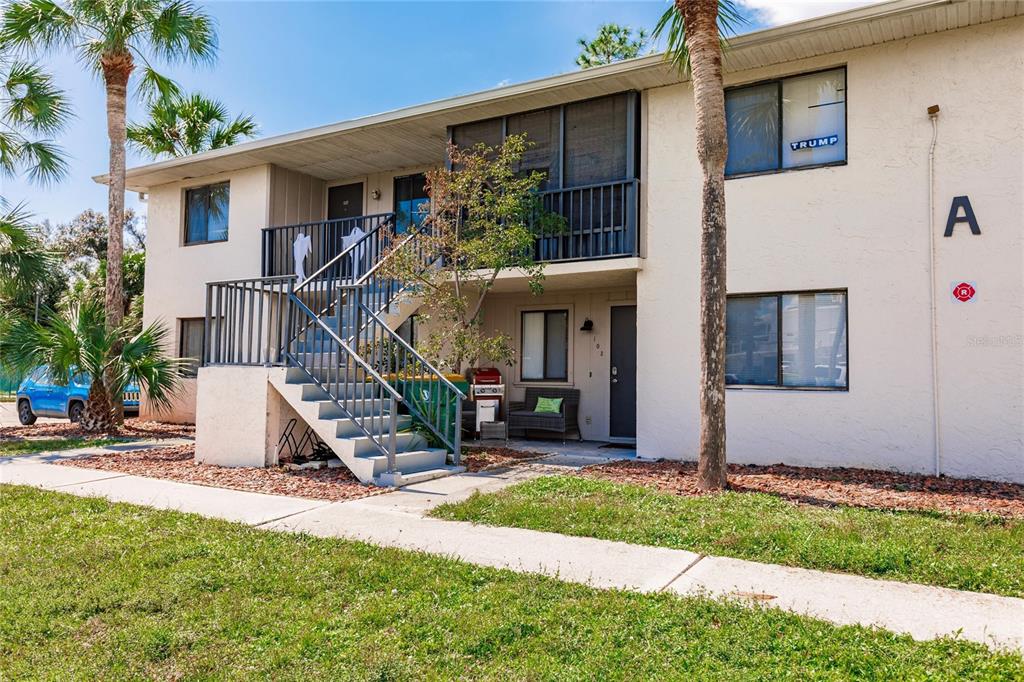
[(548, 405)]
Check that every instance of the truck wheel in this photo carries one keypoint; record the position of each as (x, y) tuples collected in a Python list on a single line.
[(25, 415), (75, 412)]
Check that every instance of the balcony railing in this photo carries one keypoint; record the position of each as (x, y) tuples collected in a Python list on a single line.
[(328, 239), (600, 222)]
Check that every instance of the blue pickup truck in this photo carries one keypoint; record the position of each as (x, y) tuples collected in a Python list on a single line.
[(39, 396)]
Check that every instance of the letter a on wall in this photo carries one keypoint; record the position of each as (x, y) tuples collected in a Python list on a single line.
[(955, 217)]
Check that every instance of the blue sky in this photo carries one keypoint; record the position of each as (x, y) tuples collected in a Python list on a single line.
[(293, 65)]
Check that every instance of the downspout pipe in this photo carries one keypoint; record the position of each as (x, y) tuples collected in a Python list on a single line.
[(933, 115)]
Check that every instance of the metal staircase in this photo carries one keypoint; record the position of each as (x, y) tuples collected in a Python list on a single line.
[(388, 414)]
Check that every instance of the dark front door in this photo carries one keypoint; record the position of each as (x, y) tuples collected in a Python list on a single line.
[(345, 201), (622, 418)]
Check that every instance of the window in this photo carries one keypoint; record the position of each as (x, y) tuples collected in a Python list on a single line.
[(206, 214), (796, 340), (789, 123), (595, 140), (191, 342), (593, 146), (545, 345), (412, 205)]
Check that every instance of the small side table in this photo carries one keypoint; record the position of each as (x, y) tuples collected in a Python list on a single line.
[(493, 431)]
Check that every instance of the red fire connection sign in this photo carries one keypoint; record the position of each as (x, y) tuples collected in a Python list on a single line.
[(963, 292)]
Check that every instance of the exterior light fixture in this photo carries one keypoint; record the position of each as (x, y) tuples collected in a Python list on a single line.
[(588, 325), (375, 194)]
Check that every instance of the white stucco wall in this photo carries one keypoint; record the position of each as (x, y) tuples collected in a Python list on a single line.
[(864, 227), (176, 275)]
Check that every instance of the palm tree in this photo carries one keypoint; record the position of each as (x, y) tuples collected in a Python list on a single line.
[(612, 44), (78, 340), (694, 30), (189, 125), (112, 37)]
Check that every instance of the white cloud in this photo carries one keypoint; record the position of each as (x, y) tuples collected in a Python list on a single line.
[(775, 12), (503, 82)]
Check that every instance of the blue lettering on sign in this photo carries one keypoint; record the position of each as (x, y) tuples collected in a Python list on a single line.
[(814, 142)]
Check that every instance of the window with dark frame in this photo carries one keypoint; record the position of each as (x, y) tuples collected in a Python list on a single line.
[(789, 123), (544, 347), (788, 340), (206, 213), (575, 144), (412, 204), (191, 339)]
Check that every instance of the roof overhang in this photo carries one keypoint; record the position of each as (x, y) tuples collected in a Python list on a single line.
[(416, 135)]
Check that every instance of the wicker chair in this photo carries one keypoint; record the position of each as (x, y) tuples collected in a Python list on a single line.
[(522, 418)]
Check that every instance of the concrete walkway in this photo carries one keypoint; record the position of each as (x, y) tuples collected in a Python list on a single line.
[(397, 520)]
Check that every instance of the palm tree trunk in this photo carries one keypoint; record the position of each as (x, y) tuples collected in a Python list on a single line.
[(703, 44), (117, 68), (98, 414)]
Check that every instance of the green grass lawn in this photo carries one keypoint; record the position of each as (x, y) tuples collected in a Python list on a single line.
[(10, 448), (965, 552), (91, 589)]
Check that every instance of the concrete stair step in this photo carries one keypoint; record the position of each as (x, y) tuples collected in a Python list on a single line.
[(328, 409), (408, 462), (405, 443), (374, 423), (402, 478)]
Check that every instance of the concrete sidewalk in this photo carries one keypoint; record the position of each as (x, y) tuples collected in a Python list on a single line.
[(397, 520)]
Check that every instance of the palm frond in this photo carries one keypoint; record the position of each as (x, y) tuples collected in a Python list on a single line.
[(143, 360), (32, 99), (673, 27), (183, 32), (45, 161), (24, 260), (225, 136), (40, 25), (154, 87)]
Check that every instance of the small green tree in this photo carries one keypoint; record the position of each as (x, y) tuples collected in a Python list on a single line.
[(77, 340), (188, 125), (613, 43), (484, 216)]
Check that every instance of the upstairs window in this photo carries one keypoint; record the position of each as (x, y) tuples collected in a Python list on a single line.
[(206, 214), (412, 205), (796, 340), (577, 144), (788, 123)]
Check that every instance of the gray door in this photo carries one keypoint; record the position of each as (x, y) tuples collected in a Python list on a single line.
[(345, 201), (622, 417)]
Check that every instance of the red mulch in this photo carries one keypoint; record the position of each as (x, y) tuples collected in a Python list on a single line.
[(481, 458), (133, 428), (177, 464), (829, 487)]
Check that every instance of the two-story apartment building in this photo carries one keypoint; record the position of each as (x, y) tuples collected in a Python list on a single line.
[(875, 207)]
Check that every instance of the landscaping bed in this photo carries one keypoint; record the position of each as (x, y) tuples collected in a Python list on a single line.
[(133, 428), (480, 458), (867, 488), (97, 590), (177, 464)]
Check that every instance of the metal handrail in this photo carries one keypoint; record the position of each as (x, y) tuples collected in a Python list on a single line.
[(355, 356), (409, 349)]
